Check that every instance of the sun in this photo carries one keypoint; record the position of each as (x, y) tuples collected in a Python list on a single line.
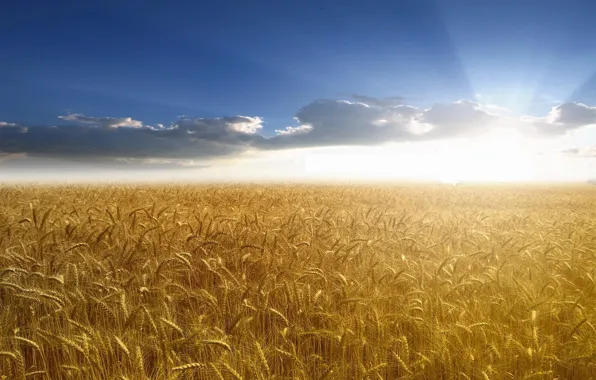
[(498, 156)]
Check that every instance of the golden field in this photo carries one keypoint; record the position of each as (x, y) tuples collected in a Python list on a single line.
[(298, 282)]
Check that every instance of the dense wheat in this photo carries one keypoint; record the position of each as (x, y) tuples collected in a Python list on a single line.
[(298, 282)]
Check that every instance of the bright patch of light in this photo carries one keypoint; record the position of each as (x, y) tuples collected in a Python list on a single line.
[(499, 156)]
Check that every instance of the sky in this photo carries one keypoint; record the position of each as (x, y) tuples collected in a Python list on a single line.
[(446, 90)]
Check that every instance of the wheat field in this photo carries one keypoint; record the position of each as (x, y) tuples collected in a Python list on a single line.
[(297, 282)]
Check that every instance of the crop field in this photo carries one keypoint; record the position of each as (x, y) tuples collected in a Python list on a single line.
[(297, 282)]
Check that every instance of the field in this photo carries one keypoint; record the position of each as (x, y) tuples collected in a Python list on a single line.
[(298, 282)]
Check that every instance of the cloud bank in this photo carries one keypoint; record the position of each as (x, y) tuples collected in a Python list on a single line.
[(362, 121), (186, 138)]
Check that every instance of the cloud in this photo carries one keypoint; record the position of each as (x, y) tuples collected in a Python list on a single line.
[(322, 123), (563, 118), (304, 128), (185, 138), (104, 122), (494, 109), (381, 102), (581, 152), (573, 115), (456, 119), (340, 122), (220, 129)]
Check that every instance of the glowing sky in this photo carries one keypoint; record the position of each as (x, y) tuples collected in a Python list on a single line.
[(447, 90)]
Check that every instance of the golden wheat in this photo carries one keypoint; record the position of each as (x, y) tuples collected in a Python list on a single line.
[(336, 282)]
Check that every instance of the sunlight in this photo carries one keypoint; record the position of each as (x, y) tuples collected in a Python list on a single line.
[(498, 156)]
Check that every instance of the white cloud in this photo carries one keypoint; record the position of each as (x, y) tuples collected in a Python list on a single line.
[(304, 128), (246, 124), (494, 109), (419, 128), (104, 122), (380, 102), (573, 115), (6, 124), (224, 129)]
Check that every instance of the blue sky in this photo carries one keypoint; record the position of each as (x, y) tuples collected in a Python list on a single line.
[(218, 58), (155, 62)]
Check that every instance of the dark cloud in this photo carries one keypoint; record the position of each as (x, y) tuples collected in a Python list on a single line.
[(454, 119), (580, 152), (563, 118), (339, 122), (573, 115), (572, 151), (368, 121), (186, 138)]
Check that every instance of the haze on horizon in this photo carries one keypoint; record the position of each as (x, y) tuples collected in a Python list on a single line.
[(425, 90)]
